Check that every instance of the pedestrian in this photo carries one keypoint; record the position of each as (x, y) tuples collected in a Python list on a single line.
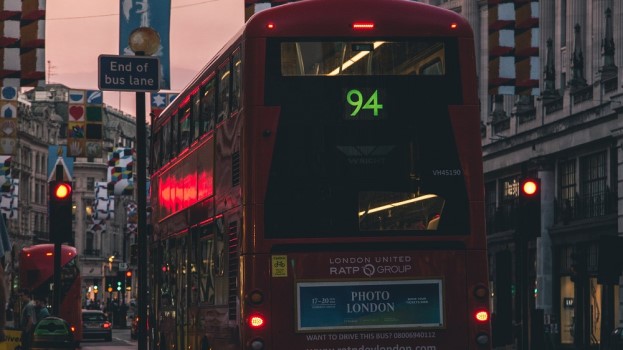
[(41, 306), (5, 246), (28, 318)]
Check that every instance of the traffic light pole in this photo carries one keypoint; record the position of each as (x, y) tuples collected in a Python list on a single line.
[(521, 266), (56, 305), (528, 228)]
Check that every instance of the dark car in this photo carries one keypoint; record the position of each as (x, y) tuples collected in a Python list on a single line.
[(95, 325)]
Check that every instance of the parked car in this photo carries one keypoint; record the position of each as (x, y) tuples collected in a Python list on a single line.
[(95, 325)]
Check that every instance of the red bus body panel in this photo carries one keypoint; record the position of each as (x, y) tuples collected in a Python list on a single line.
[(36, 266)]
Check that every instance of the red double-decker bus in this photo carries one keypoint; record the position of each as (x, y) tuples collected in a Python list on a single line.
[(319, 185), (36, 273)]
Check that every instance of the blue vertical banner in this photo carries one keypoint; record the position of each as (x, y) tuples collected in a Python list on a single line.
[(155, 14)]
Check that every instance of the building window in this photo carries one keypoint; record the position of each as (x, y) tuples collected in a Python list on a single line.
[(90, 184), (593, 184), (567, 195), (89, 241), (490, 206)]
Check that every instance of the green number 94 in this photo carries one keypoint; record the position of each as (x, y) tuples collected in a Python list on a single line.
[(355, 98)]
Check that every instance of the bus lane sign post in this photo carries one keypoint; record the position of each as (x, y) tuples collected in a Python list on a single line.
[(129, 73)]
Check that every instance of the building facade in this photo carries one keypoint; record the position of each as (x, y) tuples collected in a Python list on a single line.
[(569, 136), (102, 244)]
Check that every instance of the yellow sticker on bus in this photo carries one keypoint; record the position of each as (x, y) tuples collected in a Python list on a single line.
[(279, 265)]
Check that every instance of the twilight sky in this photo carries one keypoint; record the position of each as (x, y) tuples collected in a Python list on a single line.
[(78, 31)]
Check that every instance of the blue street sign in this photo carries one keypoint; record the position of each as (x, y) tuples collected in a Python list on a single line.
[(129, 73)]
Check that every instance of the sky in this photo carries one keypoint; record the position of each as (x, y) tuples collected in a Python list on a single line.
[(78, 31)]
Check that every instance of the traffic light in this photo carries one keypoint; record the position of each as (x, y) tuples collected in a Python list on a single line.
[(119, 281), (529, 210), (60, 207), (128, 280)]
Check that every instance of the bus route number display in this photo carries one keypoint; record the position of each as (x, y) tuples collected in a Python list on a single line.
[(364, 104)]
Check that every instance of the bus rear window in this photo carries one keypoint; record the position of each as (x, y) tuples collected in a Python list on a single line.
[(331, 58), (379, 211)]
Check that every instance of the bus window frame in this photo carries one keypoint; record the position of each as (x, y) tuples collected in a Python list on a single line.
[(434, 51), (186, 117), (166, 138), (175, 133), (223, 97), (206, 252), (156, 157), (236, 82), (208, 86), (195, 101)]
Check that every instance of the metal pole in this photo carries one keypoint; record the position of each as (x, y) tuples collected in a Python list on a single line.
[(141, 181), (56, 305)]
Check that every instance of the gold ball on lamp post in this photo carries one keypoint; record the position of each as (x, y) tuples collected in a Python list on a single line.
[(144, 41)]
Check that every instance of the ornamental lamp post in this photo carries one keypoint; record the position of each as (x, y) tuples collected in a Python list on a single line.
[(143, 41)]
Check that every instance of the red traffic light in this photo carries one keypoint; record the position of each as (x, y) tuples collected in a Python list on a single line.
[(62, 190), (128, 274), (60, 211), (530, 187)]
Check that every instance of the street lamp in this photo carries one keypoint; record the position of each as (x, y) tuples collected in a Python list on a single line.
[(142, 41)]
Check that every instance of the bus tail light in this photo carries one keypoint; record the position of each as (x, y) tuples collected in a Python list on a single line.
[(256, 321), (482, 316)]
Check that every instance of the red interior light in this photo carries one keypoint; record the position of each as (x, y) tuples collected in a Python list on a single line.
[(270, 25), (363, 25), (454, 26)]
